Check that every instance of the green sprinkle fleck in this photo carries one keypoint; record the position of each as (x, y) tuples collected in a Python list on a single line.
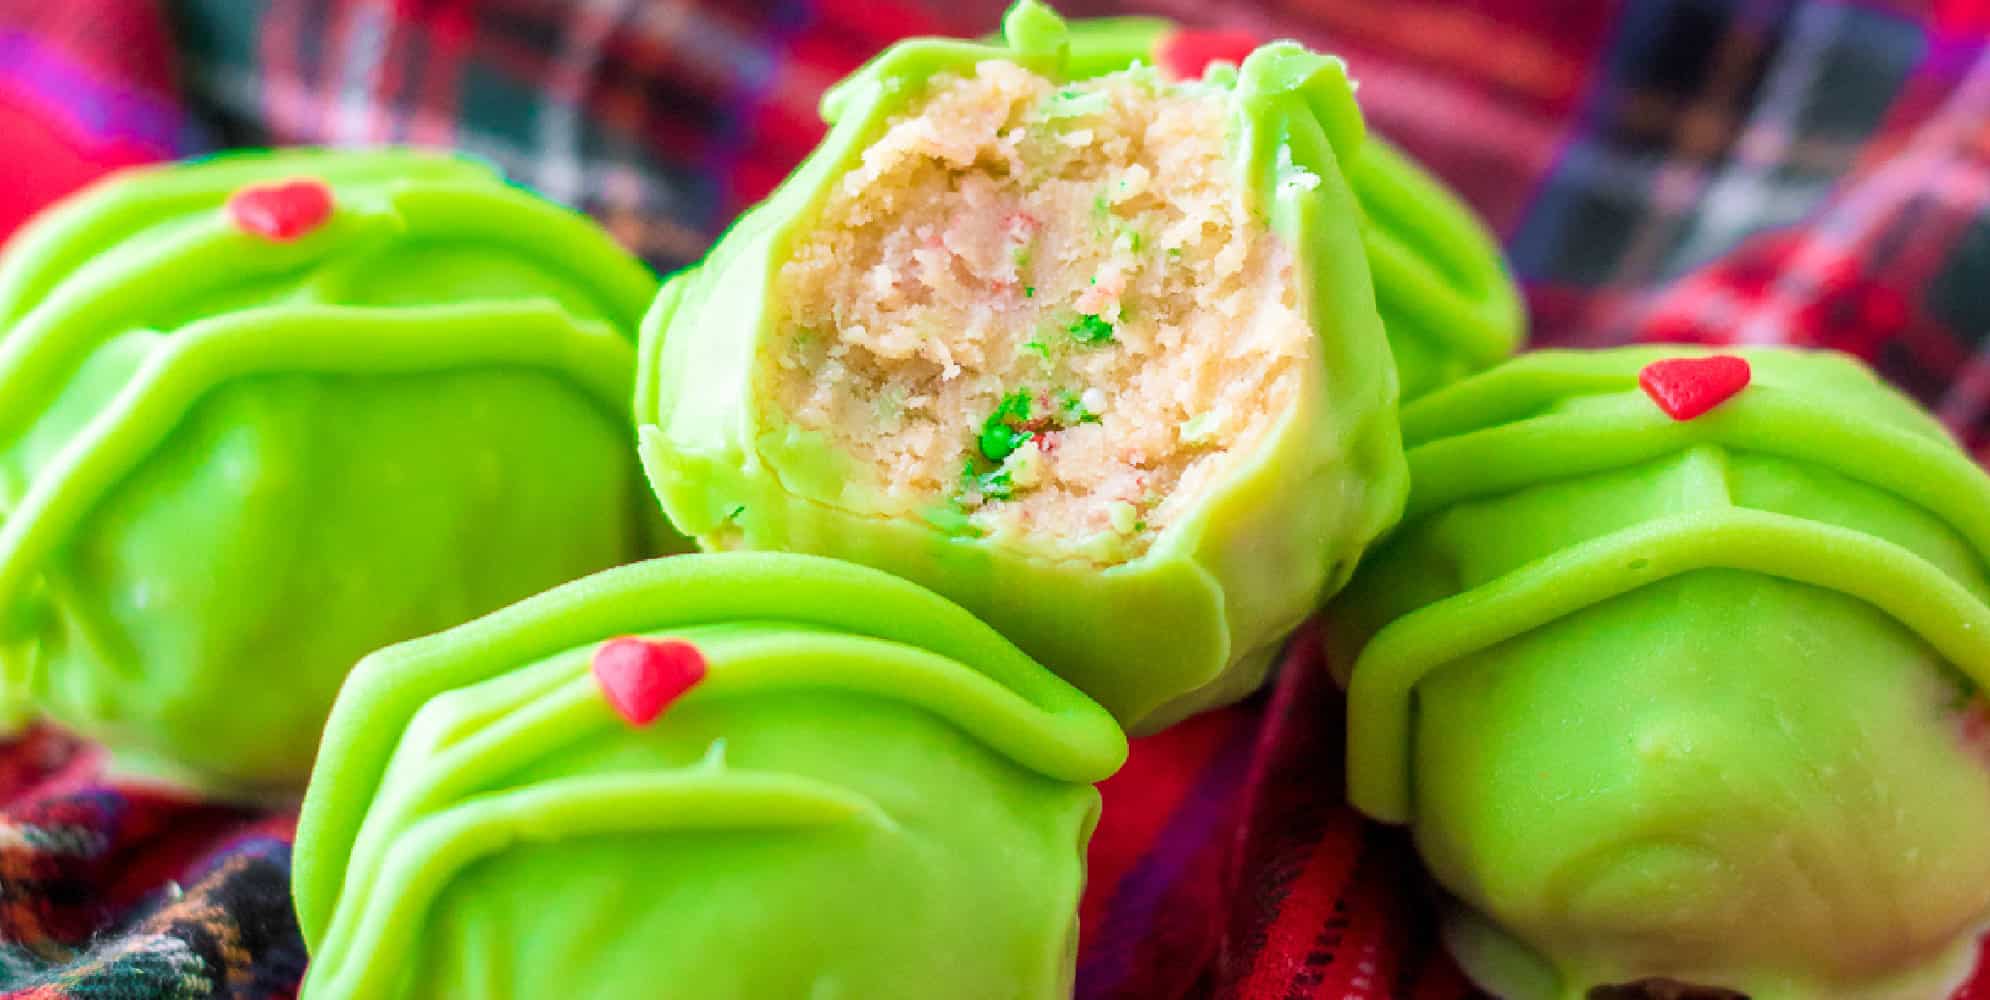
[(1199, 429), (1174, 251), (1122, 516), (1091, 330), (890, 402), (1002, 433), (737, 509), (995, 485), (1073, 405), (1072, 104), (1029, 291), (1139, 526), (1038, 348)]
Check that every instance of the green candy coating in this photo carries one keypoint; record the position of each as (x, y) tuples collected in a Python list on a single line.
[(1231, 577), (870, 794), (1683, 699), (1446, 298), (229, 466)]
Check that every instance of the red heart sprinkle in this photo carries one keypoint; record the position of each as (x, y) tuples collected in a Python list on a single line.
[(1185, 54), (281, 212), (640, 678), (1687, 387)]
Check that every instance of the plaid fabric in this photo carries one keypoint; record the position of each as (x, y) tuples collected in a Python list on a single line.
[(1797, 171)]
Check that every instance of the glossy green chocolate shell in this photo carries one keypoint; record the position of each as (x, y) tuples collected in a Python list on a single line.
[(1696, 699), (1230, 577), (232, 465), (1447, 300), (870, 794)]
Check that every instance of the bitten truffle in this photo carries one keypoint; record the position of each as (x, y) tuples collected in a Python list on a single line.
[(1084, 353)]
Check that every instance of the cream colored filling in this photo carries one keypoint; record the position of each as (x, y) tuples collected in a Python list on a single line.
[(1078, 263)]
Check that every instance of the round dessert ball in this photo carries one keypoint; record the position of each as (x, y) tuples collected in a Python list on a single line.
[(1095, 356), (262, 414), (1675, 671), (725, 776)]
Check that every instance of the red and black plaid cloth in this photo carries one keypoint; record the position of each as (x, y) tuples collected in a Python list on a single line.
[(1802, 171)]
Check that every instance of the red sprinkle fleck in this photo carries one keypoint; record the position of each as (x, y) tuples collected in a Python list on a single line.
[(640, 678), (1185, 54), (281, 212), (1687, 387)]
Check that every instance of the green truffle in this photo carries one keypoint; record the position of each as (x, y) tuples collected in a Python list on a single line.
[(1695, 700), (1446, 297), (1231, 574), (231, 464), (869, 794)]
